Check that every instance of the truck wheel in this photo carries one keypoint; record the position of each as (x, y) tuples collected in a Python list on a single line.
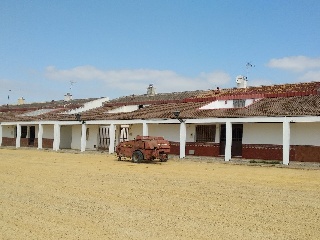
[(137, 157)]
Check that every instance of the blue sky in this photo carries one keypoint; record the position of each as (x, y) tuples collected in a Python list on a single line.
[(117, 48)]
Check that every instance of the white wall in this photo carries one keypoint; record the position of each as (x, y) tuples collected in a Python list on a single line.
[(76, 137), (92, 141), (170, 132), (129, 108), (262, 133), (219, 104), (8, 131), (89, 105), (305, 134), (271, 133), (134, 130), (48, 131), (65, 137)]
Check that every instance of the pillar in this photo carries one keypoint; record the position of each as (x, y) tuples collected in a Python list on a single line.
[(18, 139), (40, 136), (56, 137), (227, 154), (145, 129), (183, 138), (112, 138), (286, 142), (83, 137)]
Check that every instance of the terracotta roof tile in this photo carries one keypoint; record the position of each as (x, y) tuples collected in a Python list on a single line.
[(301, 99)]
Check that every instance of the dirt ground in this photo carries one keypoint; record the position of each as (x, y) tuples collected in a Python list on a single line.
[(59, 195)]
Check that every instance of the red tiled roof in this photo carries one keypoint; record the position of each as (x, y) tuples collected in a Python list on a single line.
[(301, 99), (10, 113)]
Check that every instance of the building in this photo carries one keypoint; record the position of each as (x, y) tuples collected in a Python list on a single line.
[(278, 122)]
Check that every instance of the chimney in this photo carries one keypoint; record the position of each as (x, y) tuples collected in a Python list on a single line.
[(241, 81), (67, 97), (21, 101), (151, 91)]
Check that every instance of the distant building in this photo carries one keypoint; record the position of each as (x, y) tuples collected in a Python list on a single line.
[(278, 122)]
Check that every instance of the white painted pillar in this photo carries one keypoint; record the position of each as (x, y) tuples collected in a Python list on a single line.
[(183, 139), (217, 137), (40, 136), (145, 129), (0, 135), (56, 137), (286, 142), (112, 138), (227, 153), (18, 139), (83, 137)]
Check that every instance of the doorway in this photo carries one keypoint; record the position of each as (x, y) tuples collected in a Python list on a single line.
[(237, 133), (32, 135)]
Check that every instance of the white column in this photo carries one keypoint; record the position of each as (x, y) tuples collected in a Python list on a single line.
[(227, 153), (56, 137), (40, 136), (286, 142), (145, 129), (183, 138), (0, 135), (217, 137), (112, 138), (18, 136), (83, 137)]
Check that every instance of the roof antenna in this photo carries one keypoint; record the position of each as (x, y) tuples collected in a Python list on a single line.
[(71, 84), (249, 65)]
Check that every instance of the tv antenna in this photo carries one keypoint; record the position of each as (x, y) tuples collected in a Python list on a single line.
[(248, 66), (71, 84)]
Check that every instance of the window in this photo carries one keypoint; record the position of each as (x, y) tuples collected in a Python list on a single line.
[(239, 103), (24, 131), (205, 133)]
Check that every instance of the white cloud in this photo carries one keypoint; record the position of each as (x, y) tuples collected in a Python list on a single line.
[(217, 77), (310, 76), (137, 80), (295, 63)]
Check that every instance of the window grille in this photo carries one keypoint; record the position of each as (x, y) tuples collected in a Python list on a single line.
[(205, 133), (24, 131), (239, 103)]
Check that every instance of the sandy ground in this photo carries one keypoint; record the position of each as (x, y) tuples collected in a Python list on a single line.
[(54, 195)]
